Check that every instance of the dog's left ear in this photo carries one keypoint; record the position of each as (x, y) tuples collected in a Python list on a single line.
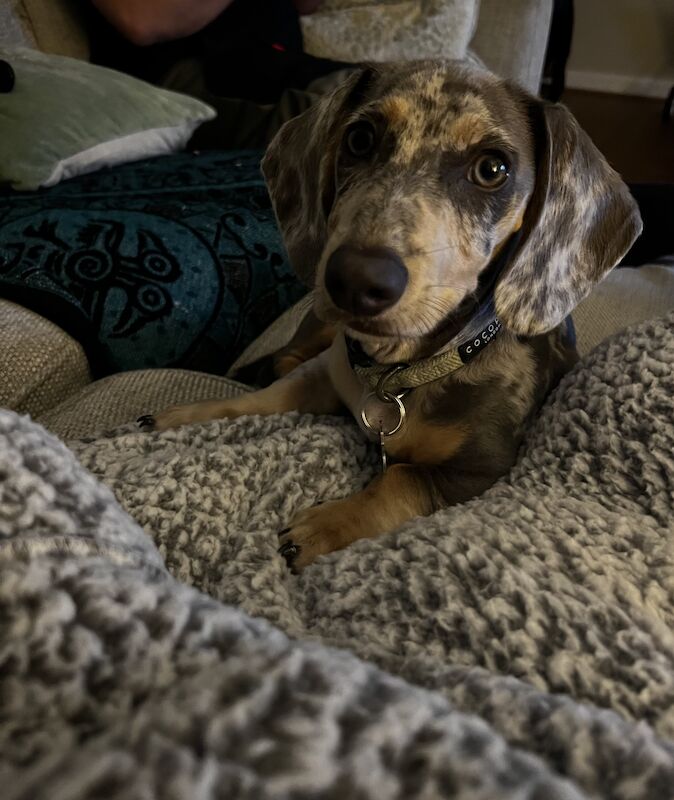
[(299, 168), (580, 221)]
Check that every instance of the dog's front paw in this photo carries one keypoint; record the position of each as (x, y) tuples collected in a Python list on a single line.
[(164, 420), (313, 533), (146, 422), (176, 416)]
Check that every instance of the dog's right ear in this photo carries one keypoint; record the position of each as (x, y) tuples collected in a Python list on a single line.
[(580, 221), (299, 167)]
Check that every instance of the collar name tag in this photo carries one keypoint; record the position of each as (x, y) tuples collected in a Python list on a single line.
[(469, 350)]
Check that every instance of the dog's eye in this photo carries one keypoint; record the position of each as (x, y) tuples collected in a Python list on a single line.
[(360, 139), (489, 171)]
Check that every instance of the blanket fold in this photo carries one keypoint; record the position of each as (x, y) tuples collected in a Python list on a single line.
[(519, 645)]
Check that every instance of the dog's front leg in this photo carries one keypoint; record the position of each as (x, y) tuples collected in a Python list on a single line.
[(403, 492), (307, 389)]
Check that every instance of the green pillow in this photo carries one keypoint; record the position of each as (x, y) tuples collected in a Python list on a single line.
[(66, 117)]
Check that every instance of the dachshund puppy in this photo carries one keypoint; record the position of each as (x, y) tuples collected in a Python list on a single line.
[(448, 223)]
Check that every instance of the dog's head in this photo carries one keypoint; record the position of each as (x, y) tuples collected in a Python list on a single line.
[(397, 191)]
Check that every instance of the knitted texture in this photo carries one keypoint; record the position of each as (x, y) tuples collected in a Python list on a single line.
[(390, 30), (119, 682), (546, 607)]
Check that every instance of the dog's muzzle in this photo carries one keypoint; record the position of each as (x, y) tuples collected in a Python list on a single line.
[(365, 281)]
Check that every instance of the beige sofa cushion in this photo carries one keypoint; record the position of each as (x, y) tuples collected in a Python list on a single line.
[(122, 398), (627, 296), (40, 365)]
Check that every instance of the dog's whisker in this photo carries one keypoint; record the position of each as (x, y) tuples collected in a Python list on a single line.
[(426, 252), (424, 321), (436, 305)]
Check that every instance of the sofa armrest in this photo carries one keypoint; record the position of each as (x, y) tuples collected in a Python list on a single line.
[(40, 365), (57, 27), (511, 38)]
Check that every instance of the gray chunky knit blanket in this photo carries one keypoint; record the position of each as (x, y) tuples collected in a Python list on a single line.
[(518, 646)]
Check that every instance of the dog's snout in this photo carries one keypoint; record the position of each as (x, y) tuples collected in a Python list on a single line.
[(365, 281)]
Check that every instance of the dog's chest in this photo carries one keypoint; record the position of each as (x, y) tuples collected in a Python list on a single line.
[(343, 378)]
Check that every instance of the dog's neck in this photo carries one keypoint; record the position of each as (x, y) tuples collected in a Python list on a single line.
[(468, 345)]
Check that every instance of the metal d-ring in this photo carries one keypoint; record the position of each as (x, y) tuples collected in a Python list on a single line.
[(389, 398), (380, 391)]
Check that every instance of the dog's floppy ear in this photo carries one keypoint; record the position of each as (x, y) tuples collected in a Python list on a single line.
[(580, 221), (299, 167)]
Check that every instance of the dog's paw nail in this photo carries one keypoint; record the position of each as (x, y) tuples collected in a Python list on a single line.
[(146, 421), (283, 532), (289, 551)]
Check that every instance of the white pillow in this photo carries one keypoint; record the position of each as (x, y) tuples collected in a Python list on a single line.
[(66, 117)]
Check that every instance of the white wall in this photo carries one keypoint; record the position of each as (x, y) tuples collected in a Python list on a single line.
[(624, 46)]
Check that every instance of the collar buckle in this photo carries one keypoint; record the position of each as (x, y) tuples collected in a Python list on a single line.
[(381, 391)]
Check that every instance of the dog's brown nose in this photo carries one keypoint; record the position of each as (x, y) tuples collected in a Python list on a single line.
[(365, 281)]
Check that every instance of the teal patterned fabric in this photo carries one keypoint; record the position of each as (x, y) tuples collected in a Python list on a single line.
[(172, 261)]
